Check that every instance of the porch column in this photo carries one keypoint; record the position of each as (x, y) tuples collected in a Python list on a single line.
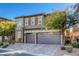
[(35, 36)]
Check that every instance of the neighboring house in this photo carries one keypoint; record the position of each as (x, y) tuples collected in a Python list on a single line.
[(30, 29), (5, 24)]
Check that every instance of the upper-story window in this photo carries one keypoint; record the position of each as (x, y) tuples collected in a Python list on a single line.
[(19, 22), (26, 21), (40, 20), (32, 20)]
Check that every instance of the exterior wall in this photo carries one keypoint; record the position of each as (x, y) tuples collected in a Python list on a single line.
[(6, 38), (36, 21), (18, 36), (19, 24), (19, 30), (0, 38)]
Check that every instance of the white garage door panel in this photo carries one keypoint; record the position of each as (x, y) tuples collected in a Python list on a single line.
[(30, 38), (48, 38)]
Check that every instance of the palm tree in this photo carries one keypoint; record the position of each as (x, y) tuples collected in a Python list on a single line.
[(71, 21), (76, 7)]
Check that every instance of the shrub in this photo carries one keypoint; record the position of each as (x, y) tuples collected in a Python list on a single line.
[(1, 43), (75, 45), (63, 48), (69, 48), (5, 44), (11, 42)]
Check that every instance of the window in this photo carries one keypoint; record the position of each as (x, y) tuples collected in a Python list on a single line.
[(33, 21), (26, 21), (40, 20)]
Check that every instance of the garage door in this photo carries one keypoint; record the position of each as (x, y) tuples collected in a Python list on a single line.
[(49, 38), (30, 38)]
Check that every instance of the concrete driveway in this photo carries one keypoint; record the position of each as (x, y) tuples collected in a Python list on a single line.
[(39, 49)]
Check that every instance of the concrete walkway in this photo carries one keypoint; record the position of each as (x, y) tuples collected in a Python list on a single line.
[(39, 49)]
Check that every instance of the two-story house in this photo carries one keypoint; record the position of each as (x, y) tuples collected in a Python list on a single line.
[(30, 29)]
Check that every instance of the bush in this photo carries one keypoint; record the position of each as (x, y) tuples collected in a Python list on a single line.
[(5, 44), (69, 48), (1, 43), (11, 42), (63, 48), (75, 45)]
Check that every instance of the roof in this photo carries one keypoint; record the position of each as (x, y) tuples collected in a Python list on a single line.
[(30, 15)]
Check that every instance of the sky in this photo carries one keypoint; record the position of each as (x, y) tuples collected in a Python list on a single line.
[(12, 10)]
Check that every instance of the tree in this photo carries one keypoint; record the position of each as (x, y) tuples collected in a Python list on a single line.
[(56, 20), (72, 21), (7, 28), (76, 7)]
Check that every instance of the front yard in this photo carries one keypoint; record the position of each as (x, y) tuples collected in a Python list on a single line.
[(5, 44), (60, 52)]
